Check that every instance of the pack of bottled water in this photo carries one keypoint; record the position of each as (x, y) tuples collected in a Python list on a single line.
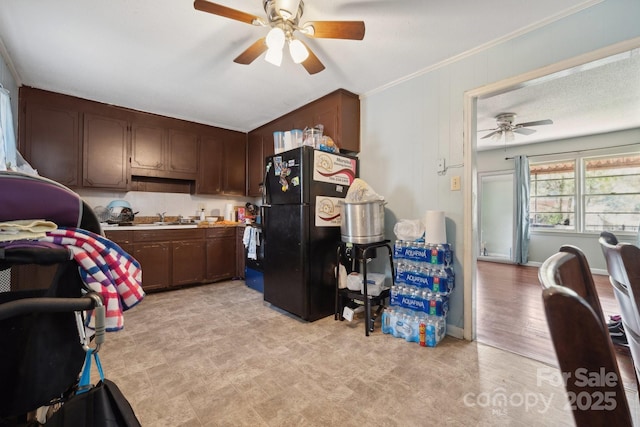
[(421, 254), (413, 326), (419, 298), (416, 299), (437, 280)]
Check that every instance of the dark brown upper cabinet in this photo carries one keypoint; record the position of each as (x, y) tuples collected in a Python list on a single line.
[(338, 112), (105, 152), (255, 158), (158, 150), (75, 142), (210, 166), (183, 154), (234, 176), (50, 140), (222, 163), (148, 146)]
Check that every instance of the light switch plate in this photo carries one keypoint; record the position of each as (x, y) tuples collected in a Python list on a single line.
[(455, 183)]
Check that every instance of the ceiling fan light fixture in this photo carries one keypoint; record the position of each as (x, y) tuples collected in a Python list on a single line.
[(509, 136), (298, 51), (274, 56), (275, 38), (287, 9)]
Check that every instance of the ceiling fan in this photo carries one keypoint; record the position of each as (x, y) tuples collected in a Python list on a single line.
[(283, 16), (506, 127)]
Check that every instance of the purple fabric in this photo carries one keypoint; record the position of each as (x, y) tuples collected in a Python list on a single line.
[(28, 244), (32, 197)]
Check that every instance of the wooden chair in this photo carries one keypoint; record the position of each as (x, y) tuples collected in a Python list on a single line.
[(623, 266), (581, 340)]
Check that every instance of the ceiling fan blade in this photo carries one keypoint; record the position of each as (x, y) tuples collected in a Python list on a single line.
[(524, 131), (312, 64), (536, 123), (489, 135), (352, 30), (226, 12), (252, 52)]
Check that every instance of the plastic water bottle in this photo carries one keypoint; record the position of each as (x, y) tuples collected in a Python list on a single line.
[(385, 320), (430, 332)]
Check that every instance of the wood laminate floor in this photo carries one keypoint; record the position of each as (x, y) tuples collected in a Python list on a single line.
[(510, 314)]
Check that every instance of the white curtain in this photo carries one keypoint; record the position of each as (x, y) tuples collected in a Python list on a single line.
[(8, 157), (522, 209)]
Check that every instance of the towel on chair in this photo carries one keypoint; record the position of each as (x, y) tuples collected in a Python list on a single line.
[(105, 268)]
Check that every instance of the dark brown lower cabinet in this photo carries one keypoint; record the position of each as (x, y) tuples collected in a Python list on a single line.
[(188, 262), (155, 261), (177, 257), (221, 253), (240, 255)]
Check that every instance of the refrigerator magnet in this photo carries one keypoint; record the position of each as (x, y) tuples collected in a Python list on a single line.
[(277, 165), (284, 180)]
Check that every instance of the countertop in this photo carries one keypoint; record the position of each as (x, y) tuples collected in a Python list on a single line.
[(116, 227)]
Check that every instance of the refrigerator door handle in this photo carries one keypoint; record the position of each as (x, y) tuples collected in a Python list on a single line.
[(266, 196)]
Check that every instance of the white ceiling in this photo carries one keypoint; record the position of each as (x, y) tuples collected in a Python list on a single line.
[(165, 57), (599, 97)]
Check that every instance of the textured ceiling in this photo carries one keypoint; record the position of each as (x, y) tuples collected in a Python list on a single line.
[(596, 98), (165, 57)]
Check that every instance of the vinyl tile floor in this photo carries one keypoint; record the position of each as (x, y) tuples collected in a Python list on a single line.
[(218, 355)]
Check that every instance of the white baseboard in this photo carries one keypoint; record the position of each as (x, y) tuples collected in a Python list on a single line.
[(455, 332)]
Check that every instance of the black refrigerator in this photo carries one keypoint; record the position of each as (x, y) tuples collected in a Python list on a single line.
[(302, 228)]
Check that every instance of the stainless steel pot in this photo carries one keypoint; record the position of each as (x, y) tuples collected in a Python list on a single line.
[(362, 222)]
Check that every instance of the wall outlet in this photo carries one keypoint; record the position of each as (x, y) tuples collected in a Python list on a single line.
[(455, 183)]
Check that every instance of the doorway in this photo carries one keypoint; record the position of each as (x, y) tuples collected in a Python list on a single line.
[(496, 215), (472, 232)]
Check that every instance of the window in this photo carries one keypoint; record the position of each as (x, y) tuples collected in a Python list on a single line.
[(607, 188), (552, 195), (612, 193)]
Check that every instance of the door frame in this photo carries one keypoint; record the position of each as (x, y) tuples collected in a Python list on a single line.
[(470, 208)]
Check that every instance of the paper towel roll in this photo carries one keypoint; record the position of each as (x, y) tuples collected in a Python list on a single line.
[(229, 212), (435, 230)]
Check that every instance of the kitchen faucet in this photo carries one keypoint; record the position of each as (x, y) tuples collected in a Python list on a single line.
[(161, 215)]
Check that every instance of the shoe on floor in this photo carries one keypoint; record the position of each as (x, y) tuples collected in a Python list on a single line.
[(616, 331)]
